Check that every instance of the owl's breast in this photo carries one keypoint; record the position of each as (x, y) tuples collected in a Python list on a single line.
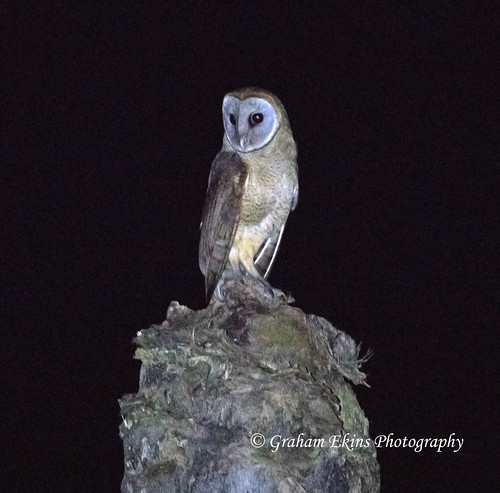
[(268, 193)]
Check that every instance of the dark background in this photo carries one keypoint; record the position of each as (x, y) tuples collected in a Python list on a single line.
[(110, 120)]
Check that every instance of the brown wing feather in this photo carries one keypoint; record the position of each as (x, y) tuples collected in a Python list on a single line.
[(221, 215)]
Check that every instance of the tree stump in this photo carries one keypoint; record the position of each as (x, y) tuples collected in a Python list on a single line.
[(246, 395)]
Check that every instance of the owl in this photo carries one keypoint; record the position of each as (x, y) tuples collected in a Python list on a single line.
[(253, 186)]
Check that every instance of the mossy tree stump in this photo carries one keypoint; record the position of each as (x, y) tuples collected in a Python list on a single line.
[(217, 382)]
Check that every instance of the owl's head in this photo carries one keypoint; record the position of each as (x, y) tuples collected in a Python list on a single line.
[(252, 117)]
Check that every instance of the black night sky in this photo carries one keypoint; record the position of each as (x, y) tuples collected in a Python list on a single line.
[(110, 119)]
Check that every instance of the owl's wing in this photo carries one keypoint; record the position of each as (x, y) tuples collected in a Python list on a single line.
[(267, 253), (221, 215)]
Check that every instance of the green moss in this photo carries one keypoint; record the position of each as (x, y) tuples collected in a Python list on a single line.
[(270, 332), (159, 355), (352, 417)]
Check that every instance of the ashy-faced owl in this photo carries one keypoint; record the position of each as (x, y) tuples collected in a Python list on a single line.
[(253, 186)]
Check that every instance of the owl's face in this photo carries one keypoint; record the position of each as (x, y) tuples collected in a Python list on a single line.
[(249, 123)]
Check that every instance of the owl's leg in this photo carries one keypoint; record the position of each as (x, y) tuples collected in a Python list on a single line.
[(246, 259), (241, 256), (247, 244)]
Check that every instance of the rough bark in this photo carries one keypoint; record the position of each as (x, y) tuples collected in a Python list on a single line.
[(211, 379)]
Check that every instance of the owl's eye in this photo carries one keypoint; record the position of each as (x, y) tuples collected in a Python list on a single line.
[(255, 118), (232, 119)]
